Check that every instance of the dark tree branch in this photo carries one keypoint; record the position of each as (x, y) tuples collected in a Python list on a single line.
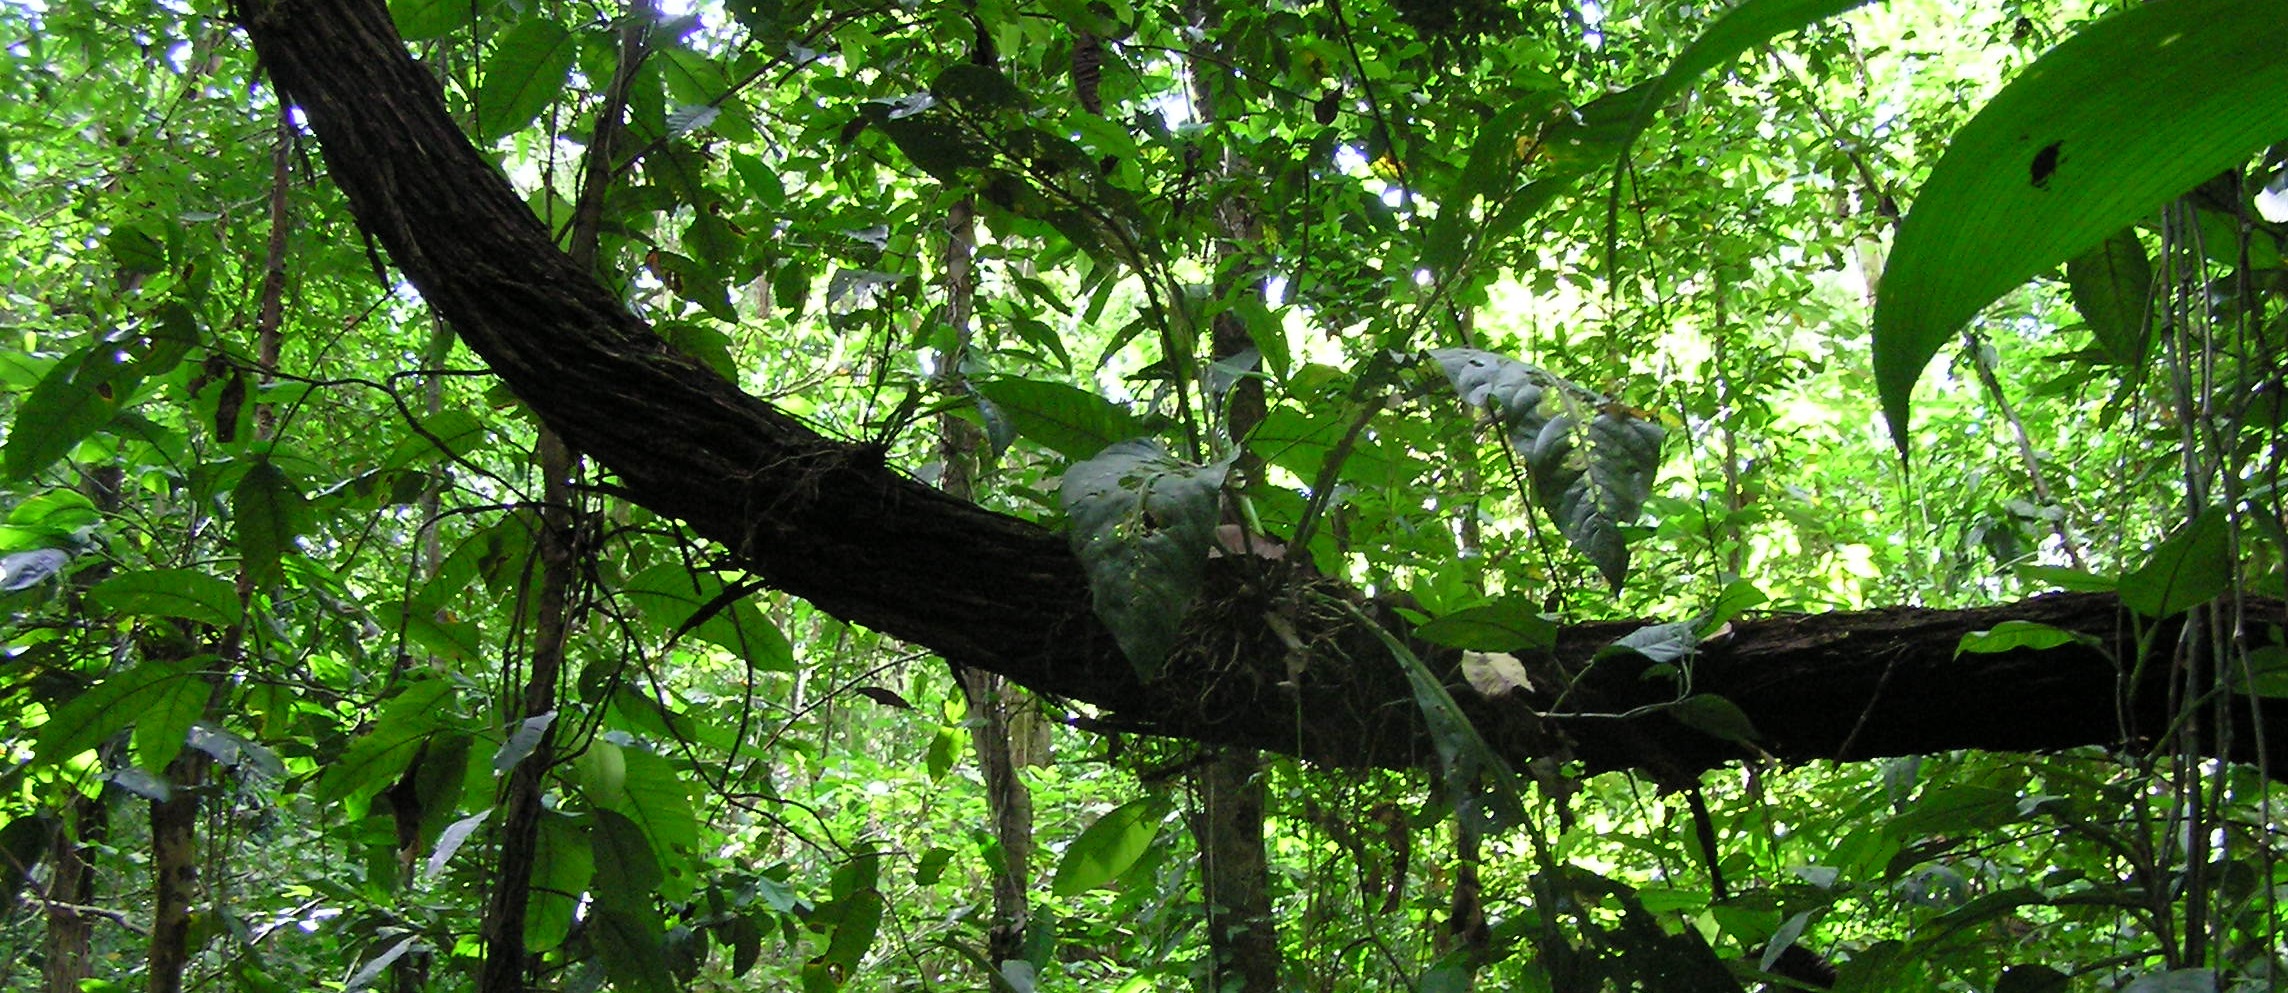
[(1001, 594)]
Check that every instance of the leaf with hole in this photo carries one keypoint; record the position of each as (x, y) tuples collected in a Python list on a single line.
[(2097, 134), (1142, 523), (77, 396)]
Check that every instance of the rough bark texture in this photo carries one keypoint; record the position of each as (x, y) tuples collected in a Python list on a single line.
[(825, 522), (174, 872), (71, 885)]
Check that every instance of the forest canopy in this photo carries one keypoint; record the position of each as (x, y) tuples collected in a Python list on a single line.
[(512, 496)]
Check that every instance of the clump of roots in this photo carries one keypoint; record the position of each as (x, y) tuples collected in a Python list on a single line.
[(1252, 637)]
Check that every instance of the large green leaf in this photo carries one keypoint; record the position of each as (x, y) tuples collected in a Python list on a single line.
[(1592, 462), (560, 874), (1510, 624), (77, 396), (382, 754), (1142, 522), (2095, 135), (633, 948), (626, 870), (84, 721), (163, 720), (2112, 288), (658, 801), (526, 71), (265, 510), (1108, 847), (679, 600), (185, 593), (1072, 422), (2191, 568)]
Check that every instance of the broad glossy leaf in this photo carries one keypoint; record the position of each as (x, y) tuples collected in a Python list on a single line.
[(100, 711), (858, 921), (526, 71), (185, 593), (657, 800), (1071, 422), (1108, 847), (2096, 134), (2265, 673), (421, 20), (627, 872), (1142, 522), (2191, 568), (50, 518), (1592, 463), (1714, 715)]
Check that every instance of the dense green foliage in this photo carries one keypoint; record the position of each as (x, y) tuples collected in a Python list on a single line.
[(1565, 309)]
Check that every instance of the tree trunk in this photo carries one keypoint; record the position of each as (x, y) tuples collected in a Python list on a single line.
[(71, 885), (174, 871), (992, 699), (819, 520)]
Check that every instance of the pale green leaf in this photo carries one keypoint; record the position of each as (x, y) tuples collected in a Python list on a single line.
[(1108, 847), (2013, 635)]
